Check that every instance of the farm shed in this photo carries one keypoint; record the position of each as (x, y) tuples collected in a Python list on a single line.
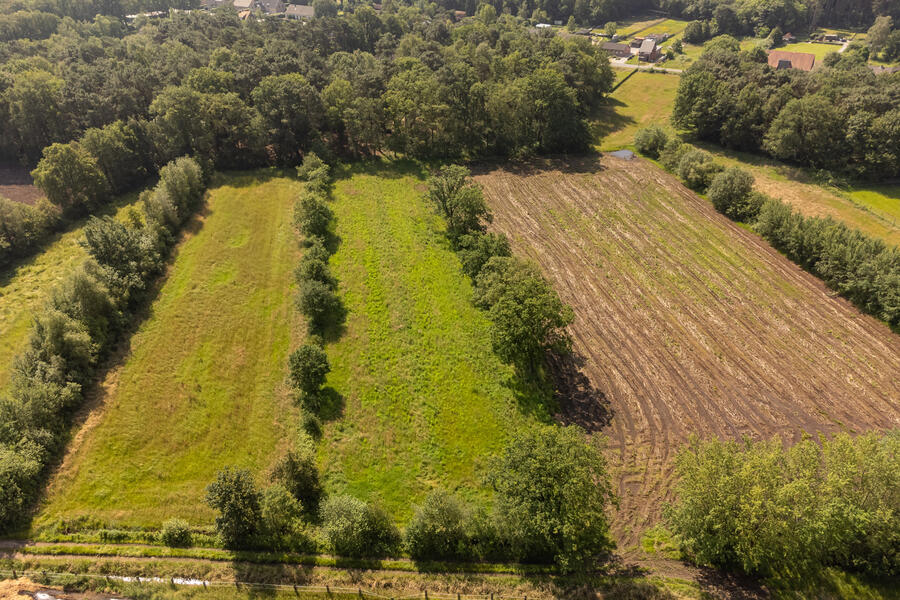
[(648, 52), (299, 11), (614, 49)]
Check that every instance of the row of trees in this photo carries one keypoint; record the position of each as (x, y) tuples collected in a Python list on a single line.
[(883, 39), (83, 318), (551, 490), (762, 508), (527, 317), (840, 118), (863, 269), (757, 17)]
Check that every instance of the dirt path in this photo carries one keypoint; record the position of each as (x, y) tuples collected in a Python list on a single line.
[(687, 324)]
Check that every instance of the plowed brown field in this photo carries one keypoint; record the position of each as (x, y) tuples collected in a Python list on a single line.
[(686, 323)]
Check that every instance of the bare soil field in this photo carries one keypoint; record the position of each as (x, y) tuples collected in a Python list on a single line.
[(686, 324), (16, 184)]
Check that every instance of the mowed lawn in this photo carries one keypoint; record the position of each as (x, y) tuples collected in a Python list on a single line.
[(24, 286), (202, 386), (644, 99), (425, 401), (820, 50)]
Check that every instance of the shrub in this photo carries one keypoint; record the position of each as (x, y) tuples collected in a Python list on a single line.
[(235, 496), (319, 303), (71, 178), (650, 141), (315, 270), (309, 367), (312, 216), (696, 168), (476, 249), (23, 227), (298, 473), (730, 192), (312, 167), (176, 533), (671, 155), (552, 491), (438, 529), (281, 518), (354, 528), (459, 200)]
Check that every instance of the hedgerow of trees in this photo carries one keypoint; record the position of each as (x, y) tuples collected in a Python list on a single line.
[(84, 316), (527, 317), (863, 269), (840, 118), (764, 509)]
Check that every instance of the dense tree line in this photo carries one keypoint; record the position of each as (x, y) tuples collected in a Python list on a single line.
[(527, 317), (97, 109), (761, 508), (758, 17), (85, 10), (840, 118), (863, 269), (551, 489), (359, 83), (84, 316)]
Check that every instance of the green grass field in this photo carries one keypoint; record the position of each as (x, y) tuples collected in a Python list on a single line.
[(820, 50), (202, 385), (25, 285), (425, 401), (645, 99)]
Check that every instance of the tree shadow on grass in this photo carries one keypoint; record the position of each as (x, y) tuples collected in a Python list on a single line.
[(331, 404)]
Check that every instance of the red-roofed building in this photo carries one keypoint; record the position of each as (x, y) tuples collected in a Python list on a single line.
[(781, 59)]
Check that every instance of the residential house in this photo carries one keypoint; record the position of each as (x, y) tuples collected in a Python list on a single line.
[(832, 37), (614, 49), (240, 5), (788, 38), (782, 59), (299, 12), (648, 51), (659, 37), (636, 42), (271, 7)]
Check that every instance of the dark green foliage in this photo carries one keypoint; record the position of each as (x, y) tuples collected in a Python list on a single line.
[(865, 270), (176, 533), (696, 32), (234, 495), (731, 192), (19, 472), (318, 302), (313, 168), (71, 178), (671, 155), (438, 530), (24, 227), (298, 473), (697, 169), (309, 367), (552, 493), (312, 216), (476, 249), (122, 152), (315, 270), (827, 118), (459, 200), (291, 110), (354, 528), (763, 509), (281, 520), (650, 141)]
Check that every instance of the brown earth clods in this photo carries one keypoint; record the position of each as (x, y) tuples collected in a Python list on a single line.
[(686, 324), (16, 184)]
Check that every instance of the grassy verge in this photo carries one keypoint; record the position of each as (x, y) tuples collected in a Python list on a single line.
[(201, 386), (424, 402), (24, 285), (644, 99)]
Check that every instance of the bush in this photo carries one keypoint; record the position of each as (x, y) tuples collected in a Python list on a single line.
[(312, 167), (476, 249), (650, 141), (438, 529), (298, 473), (176, 533), (312, 216), (319, 303), (281, 518), (309, 367), (315, 270), (730, 192), (23, 227), (354, 528), (671, 155), (235, 496), (71, 178), (552, 491), (696, 169)]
